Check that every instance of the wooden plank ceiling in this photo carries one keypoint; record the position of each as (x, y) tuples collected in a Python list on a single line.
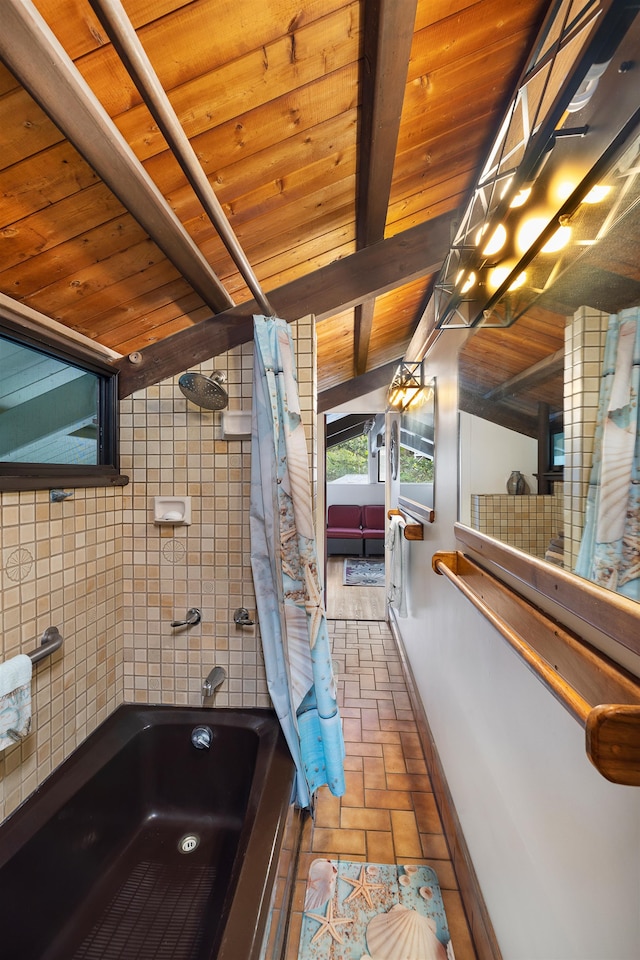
[(339, 139)]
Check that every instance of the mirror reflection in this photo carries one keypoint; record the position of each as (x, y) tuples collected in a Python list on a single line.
[(417, 450), (550, 391)]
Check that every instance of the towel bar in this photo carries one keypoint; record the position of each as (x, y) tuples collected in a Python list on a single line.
[(413, 529), (50, 641), (602, 696)]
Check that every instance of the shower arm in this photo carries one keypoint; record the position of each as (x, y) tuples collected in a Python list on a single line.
[(133, 55)]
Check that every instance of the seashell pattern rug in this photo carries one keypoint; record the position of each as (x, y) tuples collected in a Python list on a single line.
[(373, 911)]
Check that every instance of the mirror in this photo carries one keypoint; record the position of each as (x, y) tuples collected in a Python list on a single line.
[(533, 376), (416, 445)]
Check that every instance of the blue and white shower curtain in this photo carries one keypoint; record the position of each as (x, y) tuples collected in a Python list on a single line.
[(286, 577), (610, 547)]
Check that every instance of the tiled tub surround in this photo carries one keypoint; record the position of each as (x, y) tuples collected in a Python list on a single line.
[(97, 567), (585, 337), (60, 565), (526, 521), (170, 447)]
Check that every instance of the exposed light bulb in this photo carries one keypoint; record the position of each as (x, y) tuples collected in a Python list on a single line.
[(521, 197), (468, 283), (498, 275), (564, 189), (529, 232), (597, 193), (557, 240), (495, 242)]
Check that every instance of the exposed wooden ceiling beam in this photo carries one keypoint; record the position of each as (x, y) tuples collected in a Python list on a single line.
[(500, 413), (33, 54), (114, 19), (531, 377), (362, 335), (339, 286), (345, 427), (388, 35), (357, 387)]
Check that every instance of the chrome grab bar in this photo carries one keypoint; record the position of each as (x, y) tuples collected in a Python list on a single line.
[(50, 641)]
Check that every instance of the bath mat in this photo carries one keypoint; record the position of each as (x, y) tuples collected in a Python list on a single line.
[(364, 573), (372, 911)]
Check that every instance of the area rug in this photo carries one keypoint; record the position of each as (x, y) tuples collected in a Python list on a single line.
[(364, 573), (373, 911)]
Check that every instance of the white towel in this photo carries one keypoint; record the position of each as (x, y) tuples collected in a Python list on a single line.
[(15, 699), (398, 546)]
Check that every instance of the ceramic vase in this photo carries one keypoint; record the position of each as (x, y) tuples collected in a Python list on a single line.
[(515, 483)]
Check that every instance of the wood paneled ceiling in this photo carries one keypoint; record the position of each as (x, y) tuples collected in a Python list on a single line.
[(339, 139)]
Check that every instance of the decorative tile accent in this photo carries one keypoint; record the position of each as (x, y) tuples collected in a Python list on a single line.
[(19, 564), (173, 551)]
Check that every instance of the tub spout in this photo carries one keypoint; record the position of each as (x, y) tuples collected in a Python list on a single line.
[(209, 686)]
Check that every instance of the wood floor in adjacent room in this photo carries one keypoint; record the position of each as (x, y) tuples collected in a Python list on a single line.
[(351, 603)]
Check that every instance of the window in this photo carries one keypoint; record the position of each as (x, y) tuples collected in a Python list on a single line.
[(58, 417), (348, 461)]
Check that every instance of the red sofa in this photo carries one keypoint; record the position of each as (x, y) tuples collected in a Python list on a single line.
[(373, 529), (344, 529)]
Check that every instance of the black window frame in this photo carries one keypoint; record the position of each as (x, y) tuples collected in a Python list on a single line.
[(42, 476)]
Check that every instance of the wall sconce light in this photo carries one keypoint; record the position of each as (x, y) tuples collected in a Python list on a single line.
[(409, 389)]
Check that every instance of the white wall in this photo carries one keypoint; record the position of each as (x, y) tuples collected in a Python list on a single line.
[(555, 846), (355, 493), (492, 453)]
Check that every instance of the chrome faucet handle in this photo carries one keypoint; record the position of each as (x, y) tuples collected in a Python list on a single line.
[(241, 618), (194, 616)]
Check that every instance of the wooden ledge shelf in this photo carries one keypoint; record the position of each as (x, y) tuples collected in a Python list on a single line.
[(413, 529), (417, 511), (602, 696)]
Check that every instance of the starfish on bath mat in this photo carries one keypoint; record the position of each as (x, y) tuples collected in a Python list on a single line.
[(328, 924), (362, 887)]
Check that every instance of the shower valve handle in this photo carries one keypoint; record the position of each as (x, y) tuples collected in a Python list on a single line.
[(194, 616)]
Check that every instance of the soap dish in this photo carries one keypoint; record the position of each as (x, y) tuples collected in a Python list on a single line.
[(172, 511)]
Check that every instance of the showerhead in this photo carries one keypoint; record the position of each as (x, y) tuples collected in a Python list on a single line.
[(205, 392)]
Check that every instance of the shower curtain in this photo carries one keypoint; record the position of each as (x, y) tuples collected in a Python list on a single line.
[(285, 569), (610, 547)]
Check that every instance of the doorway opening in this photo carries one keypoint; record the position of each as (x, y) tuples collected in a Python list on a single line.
[(355, 498)]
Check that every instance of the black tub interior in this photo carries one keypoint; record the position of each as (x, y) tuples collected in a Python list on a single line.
[(105, 875)]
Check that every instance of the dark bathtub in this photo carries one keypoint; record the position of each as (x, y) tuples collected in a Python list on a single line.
[(91, 865)]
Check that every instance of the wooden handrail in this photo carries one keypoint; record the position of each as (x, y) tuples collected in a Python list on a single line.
[(580, 677), (413, 529)]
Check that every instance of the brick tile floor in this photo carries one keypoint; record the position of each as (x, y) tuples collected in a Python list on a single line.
[(388, 813)]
